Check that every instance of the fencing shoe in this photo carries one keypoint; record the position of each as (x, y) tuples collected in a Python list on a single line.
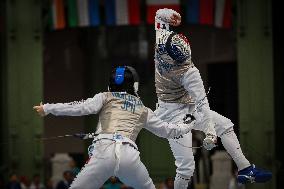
[(252, 174)]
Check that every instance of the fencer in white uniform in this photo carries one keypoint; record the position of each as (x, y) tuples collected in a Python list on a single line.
[(122, 115), (180, 91)]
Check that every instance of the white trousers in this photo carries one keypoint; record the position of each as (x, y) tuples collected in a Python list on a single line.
[(174, 113), (112, 158), (223, 127)]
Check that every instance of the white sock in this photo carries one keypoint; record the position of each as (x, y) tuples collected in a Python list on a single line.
[(232, 146), (180, 182)]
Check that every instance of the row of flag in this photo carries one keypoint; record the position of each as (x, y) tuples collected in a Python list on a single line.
[(85, 13)]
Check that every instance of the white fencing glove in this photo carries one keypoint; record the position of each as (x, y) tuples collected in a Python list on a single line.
[(210, 141)]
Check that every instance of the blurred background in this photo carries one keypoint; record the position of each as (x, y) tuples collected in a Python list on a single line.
[(63, 50)]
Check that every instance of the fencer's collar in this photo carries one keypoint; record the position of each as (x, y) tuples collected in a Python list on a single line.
[(161, 25)]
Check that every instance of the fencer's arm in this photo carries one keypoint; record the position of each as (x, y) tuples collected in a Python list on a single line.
[(192, 82), (164, 129), (85, 107)]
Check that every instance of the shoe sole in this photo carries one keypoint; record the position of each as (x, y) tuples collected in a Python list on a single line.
[(259, 179)]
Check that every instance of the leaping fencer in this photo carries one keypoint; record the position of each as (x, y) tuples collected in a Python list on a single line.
[(180, 91), (122, 115)]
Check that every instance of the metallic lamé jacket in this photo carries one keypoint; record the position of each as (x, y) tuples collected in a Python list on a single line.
[(119, 113), (170, 70)]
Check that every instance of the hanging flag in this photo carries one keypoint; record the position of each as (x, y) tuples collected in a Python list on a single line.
[(154, 5), (219, 12), (72, 13), (223, 13), (206, 8), (83, 12), (94, 12), (227, 21), (122, 12), (110, 12), (58, 14), (134, 12), (192, 11)]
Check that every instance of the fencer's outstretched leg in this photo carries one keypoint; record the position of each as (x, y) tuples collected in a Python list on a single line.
[(135, 175), (232, 146), (247, 171), (181, 182), (184, 160), (97, 170)]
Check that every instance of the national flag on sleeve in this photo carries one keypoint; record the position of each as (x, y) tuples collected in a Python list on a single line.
[(154, 5), (122, 12), (58, 14), (223, 13), (206, 14)]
